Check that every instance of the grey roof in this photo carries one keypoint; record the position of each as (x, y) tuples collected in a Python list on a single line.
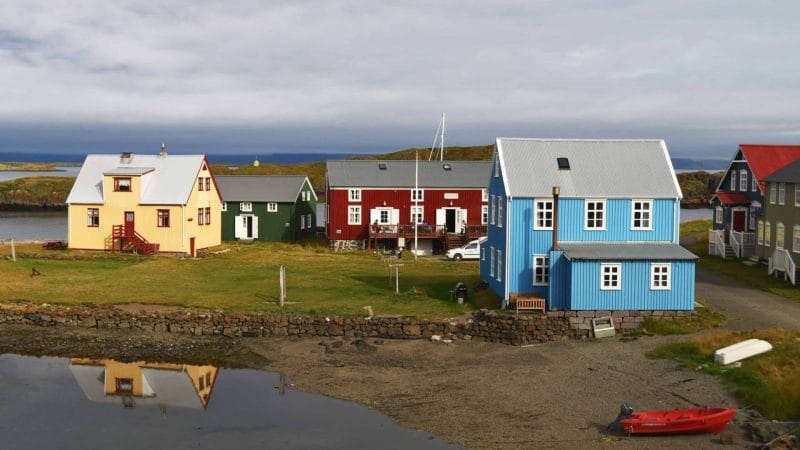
[(625, 251), (432, 174), (166, 180), (789, 173), (264, 188), (598, 168)]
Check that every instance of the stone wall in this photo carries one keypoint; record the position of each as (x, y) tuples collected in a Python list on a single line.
[(482, 326)]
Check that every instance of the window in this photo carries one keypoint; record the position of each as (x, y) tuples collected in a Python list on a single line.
[(245, 206), (660, 276), (491, 261), (163, 218), (751, 222), (208, 216), (354, 215), (496, 168), (595, 215), (760, 232), (779, 232), (272, 207), (122, 184), (544, 215), (224, 206), (767, 233), (417, 214), (200, 184), (781, 193), (796, 239), (541, 270), (494, 206), (123, 385), (641, 217), (208, 183), (773, 191), (743, 180), (302, 222), (354, 195), (610, 276), (93, 217), (417, 195), (499, 265), (754, 188), (200, 216), (718, 213), (384, 216), (484, 214), (484, 195), (500, 212), (797, 194), (308, 221), (733, 180)]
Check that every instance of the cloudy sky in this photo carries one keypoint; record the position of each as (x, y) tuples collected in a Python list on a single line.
[(344, 76)]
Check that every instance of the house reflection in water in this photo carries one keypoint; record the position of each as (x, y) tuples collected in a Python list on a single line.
[(140, 383)]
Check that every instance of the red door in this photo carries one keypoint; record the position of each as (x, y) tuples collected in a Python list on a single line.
[(191, 247), (738, 220), (129, 223)]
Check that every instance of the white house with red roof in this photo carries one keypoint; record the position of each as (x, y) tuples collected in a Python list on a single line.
[(739, 198)]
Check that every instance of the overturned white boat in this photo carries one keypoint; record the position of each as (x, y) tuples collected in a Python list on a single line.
[(741, 350)]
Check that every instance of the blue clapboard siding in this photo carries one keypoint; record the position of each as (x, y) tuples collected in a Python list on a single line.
[(523, 245), (496, 238), (586, 294), (618, 222), (559, 295)]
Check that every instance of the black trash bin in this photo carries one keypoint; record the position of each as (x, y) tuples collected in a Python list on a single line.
[(460, 292)]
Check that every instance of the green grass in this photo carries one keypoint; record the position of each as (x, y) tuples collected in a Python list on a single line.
[(695, 226), (702, 320), (36, 190), (768, 382), (25, 166), (245, 278)]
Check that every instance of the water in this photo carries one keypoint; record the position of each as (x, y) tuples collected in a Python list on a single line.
[(63, 403), (695, 214), (69, 171), (33, 225)]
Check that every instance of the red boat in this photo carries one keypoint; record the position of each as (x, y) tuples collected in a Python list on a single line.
[(691, 420)]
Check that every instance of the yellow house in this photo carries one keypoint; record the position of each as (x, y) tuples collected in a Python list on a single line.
[(145, 204)]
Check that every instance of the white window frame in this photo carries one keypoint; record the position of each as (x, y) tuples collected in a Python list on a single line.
[(484, 195), (767, 233), (540, 218), (796, 239), (493, 208), (246, 206), (272, 207), (781, 193), (760, 232), (541, 262), (499, 212), (754, 183), (797, 194), (773, 193), (743, 180), (354, 215), (649, 212), (388, 212), (719, 213), (224, 206), (308, 221), (354, 195), (302, 222), (614, 271), (491, 261), (496, 167), (418, 211), (733, 180), (484, 214), (418, 195), (586, 219), (780, 235), (660, 273), (499, 265)]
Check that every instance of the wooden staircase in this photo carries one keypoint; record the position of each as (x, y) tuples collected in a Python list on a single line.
[(131, 241), (454, 240)]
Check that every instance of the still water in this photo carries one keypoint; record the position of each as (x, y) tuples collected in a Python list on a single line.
[(33, 225), (67, 171), (81, 403)]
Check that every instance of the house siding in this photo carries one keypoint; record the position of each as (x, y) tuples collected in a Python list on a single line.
[(272, 226), (789, 215), (618, 222), (496, 239), (585, 292)]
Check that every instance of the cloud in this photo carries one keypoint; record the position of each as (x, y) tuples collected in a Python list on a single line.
[(395, 65)]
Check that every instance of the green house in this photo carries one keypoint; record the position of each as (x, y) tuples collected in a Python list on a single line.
[(267, 208), (778, 229)]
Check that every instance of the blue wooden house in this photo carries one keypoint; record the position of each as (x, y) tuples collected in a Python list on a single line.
[(586, 225)]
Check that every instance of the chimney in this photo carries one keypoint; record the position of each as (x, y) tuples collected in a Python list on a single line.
[(125, 158), (556, 193), (163, 152)]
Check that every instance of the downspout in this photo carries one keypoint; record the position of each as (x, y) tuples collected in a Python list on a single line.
[(506, 254), (183, 227), (676, 222), (69, 224), (556, 193)]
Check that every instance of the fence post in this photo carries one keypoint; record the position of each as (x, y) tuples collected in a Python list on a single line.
[(13, 251)]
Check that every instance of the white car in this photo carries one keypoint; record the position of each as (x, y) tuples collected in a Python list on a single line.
[(470, 250)]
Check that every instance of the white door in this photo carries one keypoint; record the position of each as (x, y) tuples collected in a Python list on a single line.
[(395, 217), (255, 227), (240, 226), (374, 214), (441, 216), (461, 219)]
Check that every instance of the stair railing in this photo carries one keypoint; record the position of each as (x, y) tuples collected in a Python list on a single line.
[(716, 242), (736, 243), (782, 261)]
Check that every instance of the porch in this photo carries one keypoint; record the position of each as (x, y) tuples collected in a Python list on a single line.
[(731, 244), (424, 231)]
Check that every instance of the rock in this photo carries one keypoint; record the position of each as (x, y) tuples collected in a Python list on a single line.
[(363, 346), (337, 344), (378, 342), (436, 338)]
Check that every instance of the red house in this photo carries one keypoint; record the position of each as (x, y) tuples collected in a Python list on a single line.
[(374, 203)]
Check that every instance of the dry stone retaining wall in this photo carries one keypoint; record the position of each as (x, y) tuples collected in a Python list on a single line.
[(482, 326)]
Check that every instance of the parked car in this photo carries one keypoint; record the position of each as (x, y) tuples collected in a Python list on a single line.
[(470, 250)]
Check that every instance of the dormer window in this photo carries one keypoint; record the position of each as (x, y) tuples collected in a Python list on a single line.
[(122, 184)]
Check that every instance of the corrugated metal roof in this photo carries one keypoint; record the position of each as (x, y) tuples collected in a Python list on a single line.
[(789, 173), (169, 183), (733, 198), (625, 251), (598, 168), (254, 188), (767, 159), (432, 174), (122, 171)]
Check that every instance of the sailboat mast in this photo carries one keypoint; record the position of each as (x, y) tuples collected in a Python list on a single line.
[(441, 141)]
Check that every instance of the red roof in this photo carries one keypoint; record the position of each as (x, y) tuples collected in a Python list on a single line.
[(733, 198), (766, 159)]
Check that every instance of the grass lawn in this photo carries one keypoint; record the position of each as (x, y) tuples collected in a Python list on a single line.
[(695, 226), (769, 382), (245, 278)]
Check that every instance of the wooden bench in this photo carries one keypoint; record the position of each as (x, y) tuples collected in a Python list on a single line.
[(529, 304)]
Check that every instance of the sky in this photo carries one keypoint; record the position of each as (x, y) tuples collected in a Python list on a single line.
[(345, 76)]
